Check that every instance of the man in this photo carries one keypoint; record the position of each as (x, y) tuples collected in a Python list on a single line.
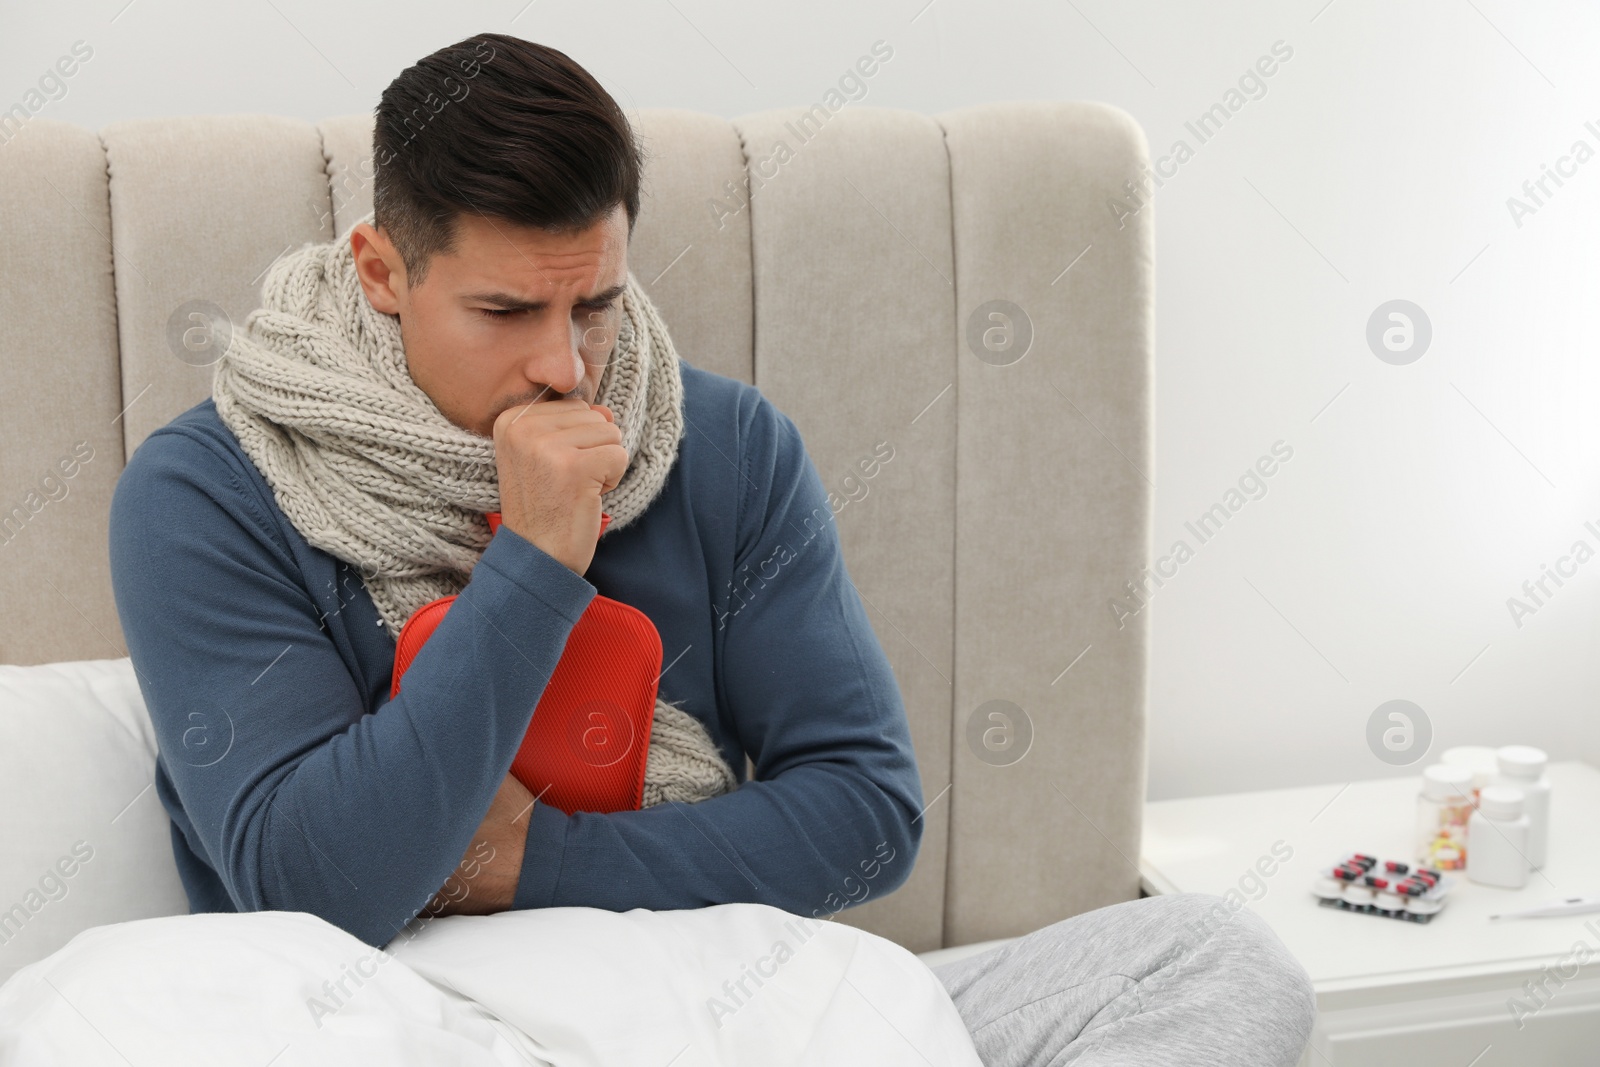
[(477, 346)]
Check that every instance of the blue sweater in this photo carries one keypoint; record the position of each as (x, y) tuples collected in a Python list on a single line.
[(295, 784)]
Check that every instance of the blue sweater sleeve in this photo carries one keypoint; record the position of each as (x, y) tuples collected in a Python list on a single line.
[(300, 798), (831, 816)]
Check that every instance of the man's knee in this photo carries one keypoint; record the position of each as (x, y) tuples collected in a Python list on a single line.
[(1198, 917), (1238, 948)]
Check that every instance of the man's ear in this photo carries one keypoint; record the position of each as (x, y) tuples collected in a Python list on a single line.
[(379, 267)]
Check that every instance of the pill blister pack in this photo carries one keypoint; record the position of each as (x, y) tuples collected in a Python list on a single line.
[(1386, 888)]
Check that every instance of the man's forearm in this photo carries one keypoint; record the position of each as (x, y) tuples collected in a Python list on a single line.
[(810, 841), (486, 879)]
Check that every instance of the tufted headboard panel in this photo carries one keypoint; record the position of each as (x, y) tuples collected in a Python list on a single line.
[(962, 287)]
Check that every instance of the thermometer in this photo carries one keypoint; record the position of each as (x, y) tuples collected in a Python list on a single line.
[(1556, 908)]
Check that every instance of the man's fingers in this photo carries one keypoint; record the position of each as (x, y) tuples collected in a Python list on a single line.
[(587, 435), (605, 463), (553, 414)]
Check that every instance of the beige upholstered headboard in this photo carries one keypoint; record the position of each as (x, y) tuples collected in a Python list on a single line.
[(964, 287)]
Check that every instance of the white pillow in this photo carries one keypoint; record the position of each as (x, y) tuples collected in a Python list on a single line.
[(86, 840)]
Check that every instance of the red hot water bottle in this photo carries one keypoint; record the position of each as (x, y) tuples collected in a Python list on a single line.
[(586, 746)]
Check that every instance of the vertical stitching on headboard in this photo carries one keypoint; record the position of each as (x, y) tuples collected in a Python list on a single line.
[(327, 175), (750, 225), (116, 305), (955, 558)]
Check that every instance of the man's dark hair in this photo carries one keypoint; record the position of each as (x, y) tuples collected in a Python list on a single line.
[(502, 128)]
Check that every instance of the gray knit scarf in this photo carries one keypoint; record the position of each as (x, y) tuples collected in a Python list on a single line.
[(317, 390)]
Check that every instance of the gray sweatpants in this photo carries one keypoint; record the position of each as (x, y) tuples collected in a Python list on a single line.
[(1161, 982)]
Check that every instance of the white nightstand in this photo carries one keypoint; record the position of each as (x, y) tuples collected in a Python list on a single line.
[(1390, 992)]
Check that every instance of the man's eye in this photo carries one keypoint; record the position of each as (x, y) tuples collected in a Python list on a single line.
[(494, 313)]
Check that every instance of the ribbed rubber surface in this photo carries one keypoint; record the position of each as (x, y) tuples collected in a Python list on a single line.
[(591, 732), (586, 747)]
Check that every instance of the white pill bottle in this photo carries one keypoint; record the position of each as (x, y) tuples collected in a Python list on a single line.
[(1497, 839), (1443, 808), (1522, 767)]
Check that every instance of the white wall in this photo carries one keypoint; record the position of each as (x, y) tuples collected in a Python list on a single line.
[(1376, 166)]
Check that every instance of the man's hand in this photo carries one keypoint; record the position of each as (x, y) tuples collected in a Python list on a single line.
[(555, 458), (486, 879)]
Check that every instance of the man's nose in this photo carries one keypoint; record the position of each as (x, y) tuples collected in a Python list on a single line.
[(556, 359)]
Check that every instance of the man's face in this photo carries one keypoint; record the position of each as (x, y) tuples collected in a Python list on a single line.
[(514, 315)]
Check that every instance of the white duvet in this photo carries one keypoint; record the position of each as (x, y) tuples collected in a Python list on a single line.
[(741, 984)]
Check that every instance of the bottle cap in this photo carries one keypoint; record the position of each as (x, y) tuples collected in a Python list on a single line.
[(1500, 802), (1479, 759), (1444, 782), (1521, 761)]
